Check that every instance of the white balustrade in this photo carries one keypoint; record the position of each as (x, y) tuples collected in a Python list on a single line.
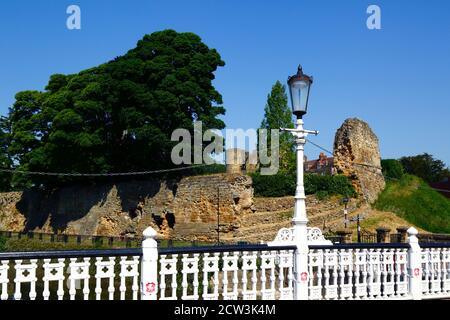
[(435, 272), (357, 273), (231, 275), (267, 272), (62, 278)]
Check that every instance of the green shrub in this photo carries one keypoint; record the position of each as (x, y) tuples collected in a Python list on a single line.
[(210, 169), (392, 168), (277, 185), (280, 185), (2, 244)]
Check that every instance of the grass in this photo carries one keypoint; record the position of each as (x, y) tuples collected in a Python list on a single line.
[(416, 202), (25, 244)]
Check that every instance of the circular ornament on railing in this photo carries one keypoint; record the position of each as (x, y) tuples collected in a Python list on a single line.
[(315, 234), (285, 234)]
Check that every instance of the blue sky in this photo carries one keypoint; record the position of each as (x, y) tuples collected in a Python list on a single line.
[(397, 78)]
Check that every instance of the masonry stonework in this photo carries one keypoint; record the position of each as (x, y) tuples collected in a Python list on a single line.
[(183, 209)]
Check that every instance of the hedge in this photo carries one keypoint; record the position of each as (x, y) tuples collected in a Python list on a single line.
[(280, 185), (392, 169)]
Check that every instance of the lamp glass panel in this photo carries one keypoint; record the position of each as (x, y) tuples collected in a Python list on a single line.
[(299, 95)]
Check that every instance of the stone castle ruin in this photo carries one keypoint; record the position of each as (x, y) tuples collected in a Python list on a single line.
[(189, 208), (357, 156)]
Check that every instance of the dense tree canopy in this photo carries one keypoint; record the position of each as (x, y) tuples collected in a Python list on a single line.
[(118, 116), (278, 115), (426, 167)]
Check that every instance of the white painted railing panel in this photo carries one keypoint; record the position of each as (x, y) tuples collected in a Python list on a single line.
[(357, 273), (70, 278), (233, 275), (435, 272)]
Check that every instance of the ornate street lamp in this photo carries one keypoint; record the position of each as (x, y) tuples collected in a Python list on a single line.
[(300, 235), (299, 87)]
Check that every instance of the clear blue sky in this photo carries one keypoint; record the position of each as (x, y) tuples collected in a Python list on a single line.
[(397, 79)]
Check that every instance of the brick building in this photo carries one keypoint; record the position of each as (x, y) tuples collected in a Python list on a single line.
[(323, 165)]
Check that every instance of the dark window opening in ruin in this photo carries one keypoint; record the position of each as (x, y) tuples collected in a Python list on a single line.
[(157, 219), (174, 189), (133, 213), (170, 217)]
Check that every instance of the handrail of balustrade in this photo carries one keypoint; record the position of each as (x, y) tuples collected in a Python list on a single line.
[(134, 251), (224, 248), (361, 246), (70, 254), (434, 244)]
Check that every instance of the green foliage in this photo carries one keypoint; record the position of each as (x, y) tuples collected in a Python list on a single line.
[(276, 185), (412, 199), (5, 160), (328, 185), (426, 167), (25, 244), (278, 115), (118, 116), (211, 169), (392, 168), (2, 244), (279, 185)]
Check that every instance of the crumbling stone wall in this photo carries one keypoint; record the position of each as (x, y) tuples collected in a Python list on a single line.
[(178, 209), (357, 155)]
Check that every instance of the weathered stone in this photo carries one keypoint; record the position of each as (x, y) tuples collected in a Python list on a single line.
[(184, 209), (357, 155)]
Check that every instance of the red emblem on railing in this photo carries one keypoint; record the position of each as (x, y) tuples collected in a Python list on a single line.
[(304, 276), (150, 287), (416, 272)]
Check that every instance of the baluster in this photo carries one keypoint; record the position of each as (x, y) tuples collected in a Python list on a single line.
[(425, 257), (389, 285), (230, 265), (135, 275), (190, 267), (286, 265), (401, 272), (79, 271), (374, 277), (290, 262), (168, 269), (53, 272), (122, 275), (317, 291), (268, 264), (104, 269), (211, 266), (330, 264), (361, 262), (249, 266), (446, 270), (312, 264), (25, 273), (435, 263), (345, 274), (4, 267)]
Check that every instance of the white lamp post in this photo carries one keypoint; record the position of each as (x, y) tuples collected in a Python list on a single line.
[(299, 88), (300, 235)]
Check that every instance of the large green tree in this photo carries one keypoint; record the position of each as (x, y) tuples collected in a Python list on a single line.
[(426, 167), (278, 115), (5, 160), (118, 116)]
